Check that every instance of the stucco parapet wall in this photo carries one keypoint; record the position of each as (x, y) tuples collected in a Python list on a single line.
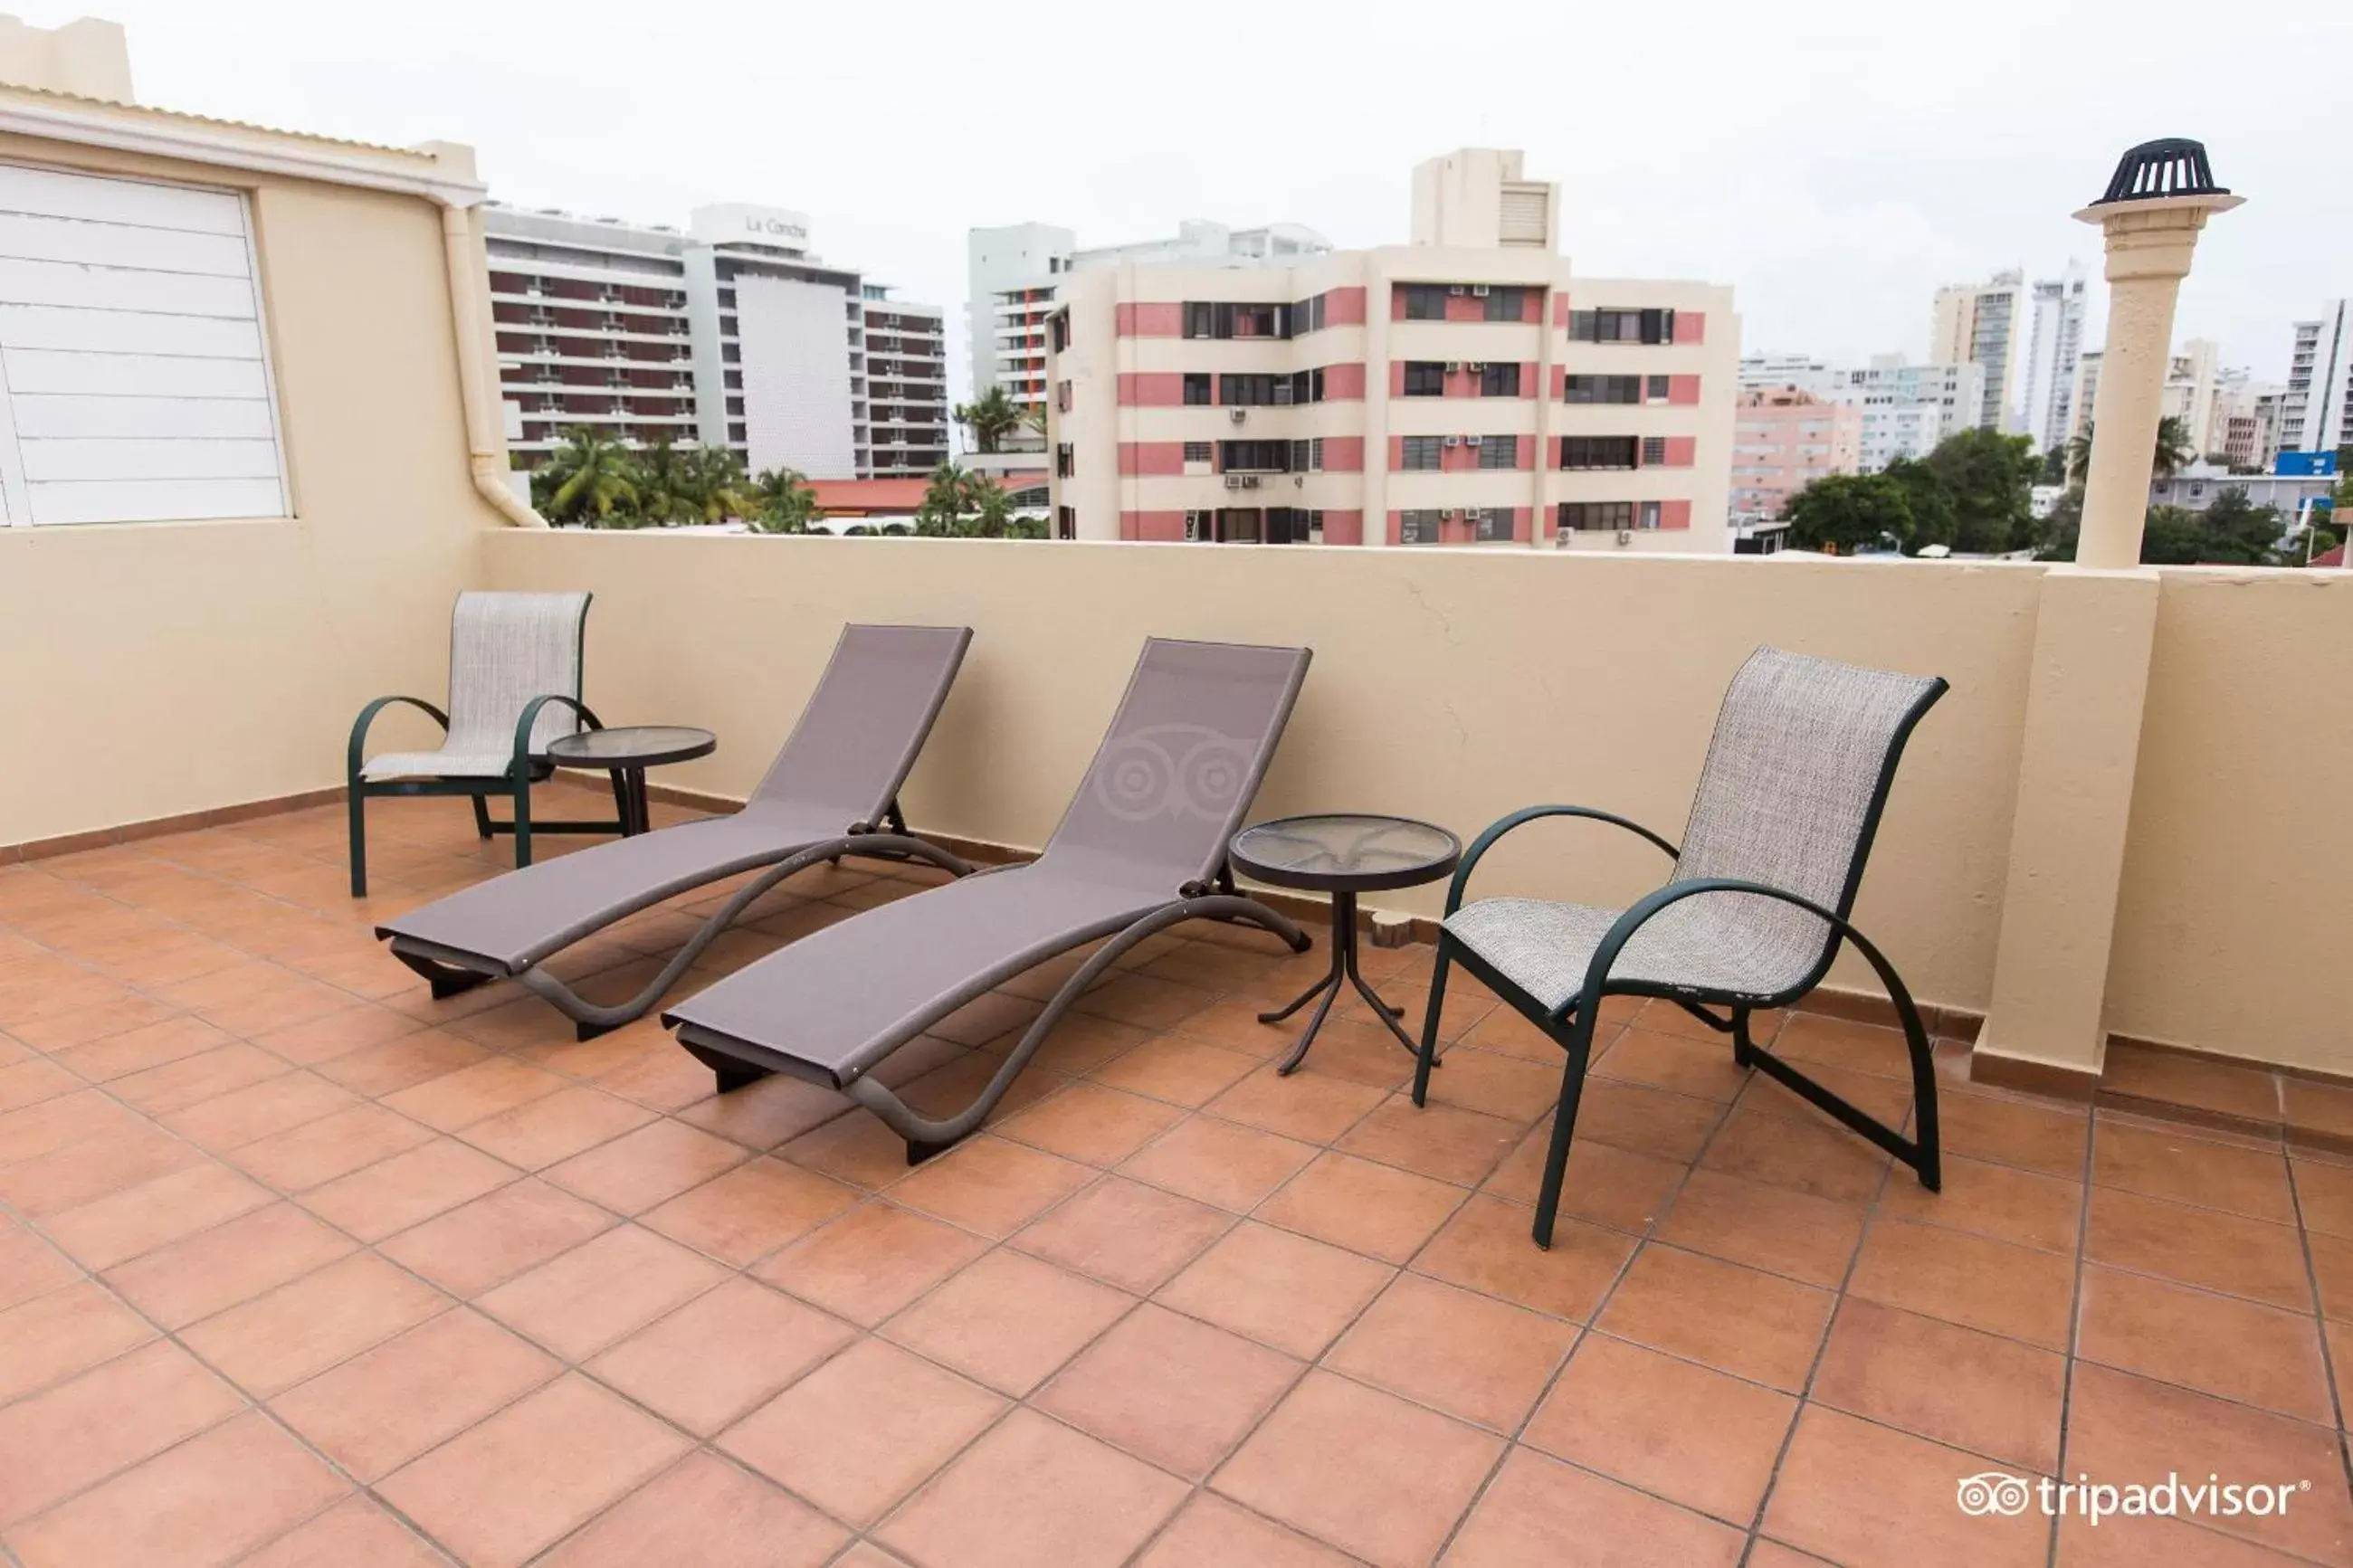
[(440, 170)]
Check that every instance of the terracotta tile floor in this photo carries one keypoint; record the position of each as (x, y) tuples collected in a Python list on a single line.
[(298, 1266)]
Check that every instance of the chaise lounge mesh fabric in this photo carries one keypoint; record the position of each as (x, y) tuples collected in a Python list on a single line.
[(1789, 800), (828, 793), (1142, 847)]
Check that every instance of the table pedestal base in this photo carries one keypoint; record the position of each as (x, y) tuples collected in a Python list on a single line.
[(1344, 971)]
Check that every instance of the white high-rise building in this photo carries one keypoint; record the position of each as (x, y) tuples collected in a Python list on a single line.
[(2198, 393), (2054, 341), (728, 334), (2316, 413), (1907, 408), (1986, 324)]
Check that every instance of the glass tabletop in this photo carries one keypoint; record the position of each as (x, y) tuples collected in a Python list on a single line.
[(633, 743), (1348, 847)]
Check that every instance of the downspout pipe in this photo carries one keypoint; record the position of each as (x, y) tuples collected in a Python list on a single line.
[(486, 458)]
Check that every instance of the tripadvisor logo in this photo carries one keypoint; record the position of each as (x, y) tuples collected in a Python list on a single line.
[(1998, 1494)]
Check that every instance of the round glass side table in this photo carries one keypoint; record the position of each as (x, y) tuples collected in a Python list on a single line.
[(1343, 854), (626, 752)]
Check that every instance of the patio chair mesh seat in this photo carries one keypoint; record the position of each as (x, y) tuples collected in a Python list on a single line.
[(1797, 771), (1792, 775), (504, 649)]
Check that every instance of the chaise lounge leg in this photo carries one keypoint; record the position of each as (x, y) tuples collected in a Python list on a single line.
[(918, 1150), (733, 1072), (447, 980)]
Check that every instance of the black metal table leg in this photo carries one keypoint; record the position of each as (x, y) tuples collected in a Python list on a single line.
[(1344, 973)]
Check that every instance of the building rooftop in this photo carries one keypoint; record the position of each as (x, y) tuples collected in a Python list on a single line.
[(303, 1266)]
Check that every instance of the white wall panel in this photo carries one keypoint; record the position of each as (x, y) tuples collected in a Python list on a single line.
[(135, 383), (795, 338)]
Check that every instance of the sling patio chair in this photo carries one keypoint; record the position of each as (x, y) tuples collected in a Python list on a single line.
[(832, 790), (514, 685), (1142, 847), (1797, 775)]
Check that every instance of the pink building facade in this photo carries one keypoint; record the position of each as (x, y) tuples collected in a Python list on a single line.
[(1782, 441)]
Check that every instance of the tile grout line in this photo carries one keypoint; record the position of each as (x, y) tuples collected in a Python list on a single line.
[(2320, 1318)]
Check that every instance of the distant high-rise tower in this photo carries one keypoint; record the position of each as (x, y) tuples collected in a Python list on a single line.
[(2317, 414), (1984, 323), (2054, 341)]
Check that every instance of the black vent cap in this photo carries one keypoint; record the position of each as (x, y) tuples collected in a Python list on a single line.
[(2171, 166)]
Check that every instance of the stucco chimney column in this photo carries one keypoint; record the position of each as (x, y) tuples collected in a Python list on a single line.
[(2151, 232)]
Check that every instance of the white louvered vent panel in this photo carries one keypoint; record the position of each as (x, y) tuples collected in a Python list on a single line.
[(134, 379)]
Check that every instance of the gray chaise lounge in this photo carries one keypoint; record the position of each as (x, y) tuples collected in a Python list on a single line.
[(1795, 777), (1141, 849), (832, 790)]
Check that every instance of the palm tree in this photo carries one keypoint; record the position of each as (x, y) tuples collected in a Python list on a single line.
[(955, 503), (2172, 451), (992, 417), (719, 487), (785, 503), (666, 483), (588, 481)]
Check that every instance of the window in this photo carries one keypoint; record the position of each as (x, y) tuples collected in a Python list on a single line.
[(1066, 523), (1200, 526), (1292, 524), (1036, 495), (1421, 452), (1603, 389), (1059, 331), (1595, 516), (1306, 387), (1197, 388), (1197, 451), (1654, 450), (1499, 380), (1418, 527), (1238, 525), (1499, 452), (1225, 319), (1256, 457), (1425, 302), (1307, 316), (1061, 398), (1657, 390), (1253, 390), (1425, 378), (1621, 326), (1649, 515), (1490, 525), (1307, 457), (1504, 304), (138, 386), (1598, 451), (1064, 464)]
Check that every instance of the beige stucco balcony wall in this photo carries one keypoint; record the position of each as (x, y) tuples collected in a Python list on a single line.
[(158, 670)]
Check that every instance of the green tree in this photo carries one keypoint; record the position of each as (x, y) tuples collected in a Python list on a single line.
[(1933, 520), (588, 481), (716, 484), (2170, 454), (991, 417), (2234, 531), (669, 491), (2054, 465), (1841, 513), (953, 502), (782, 502), (1990, 478), (2055, 536)]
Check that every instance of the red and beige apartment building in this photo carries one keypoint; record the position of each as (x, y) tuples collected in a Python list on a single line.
[(1784, 439), (1463, 389)]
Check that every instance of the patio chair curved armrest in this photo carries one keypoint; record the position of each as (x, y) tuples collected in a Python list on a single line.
[(525, 725), (354, 757), (1486, 841), (1604, 955)]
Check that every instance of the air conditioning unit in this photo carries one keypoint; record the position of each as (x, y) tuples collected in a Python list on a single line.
[(1472, 440), (1454, 440), (1455, 288), (1449, 514), (1249, 481), (1238, 415), (1473, 366), (1478, 291), (1625, 536), (1453, 367), (1233, 481)]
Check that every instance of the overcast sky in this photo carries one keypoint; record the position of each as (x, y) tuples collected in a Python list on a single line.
[(1833, 160)]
